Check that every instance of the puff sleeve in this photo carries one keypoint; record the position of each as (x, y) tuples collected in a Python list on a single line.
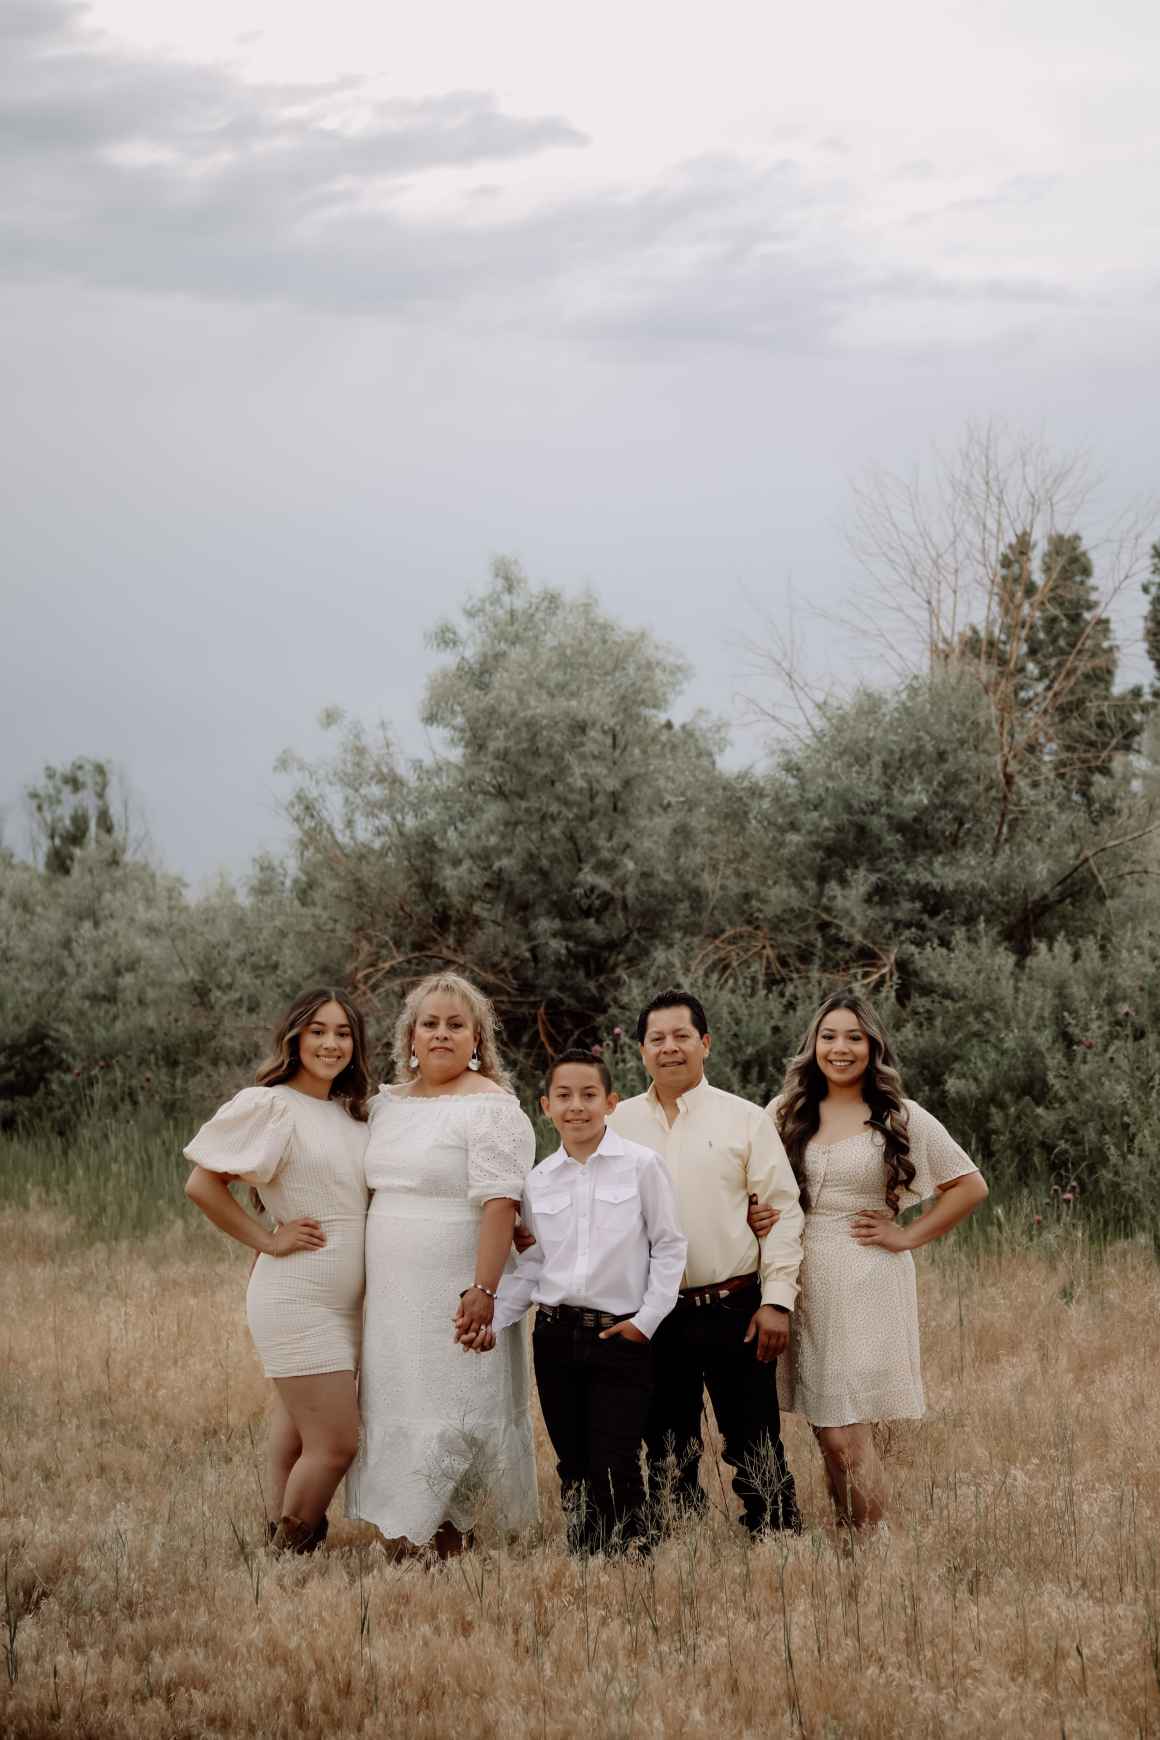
[(501, 1146), (249, 1137), (936, 1156)]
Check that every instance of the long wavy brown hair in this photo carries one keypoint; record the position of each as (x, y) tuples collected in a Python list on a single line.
[(479, 1012), (798, 1113), (284, 1061)]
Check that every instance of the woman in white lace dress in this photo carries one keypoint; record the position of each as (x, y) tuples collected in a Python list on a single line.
[(861, 1153), (448, 1154), (298, 1137)]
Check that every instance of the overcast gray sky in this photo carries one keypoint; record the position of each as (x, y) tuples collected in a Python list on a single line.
[(306, 318)]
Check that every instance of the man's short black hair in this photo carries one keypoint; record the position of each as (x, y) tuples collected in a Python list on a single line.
[(575, 1055), (674, 999)]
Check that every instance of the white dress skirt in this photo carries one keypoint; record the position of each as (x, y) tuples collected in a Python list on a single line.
[(853, 1352), (446, 1434), (305, 1156)]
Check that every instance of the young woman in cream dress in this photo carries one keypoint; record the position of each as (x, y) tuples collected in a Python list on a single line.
[(448, 1154), (860, 1153), (299, 1138)]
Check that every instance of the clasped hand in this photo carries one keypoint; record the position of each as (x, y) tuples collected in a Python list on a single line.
[(475, 1336), (472, 1321)]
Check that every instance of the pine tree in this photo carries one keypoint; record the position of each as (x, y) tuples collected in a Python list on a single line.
[(1072, 659), (1000, 646), (1152, 618)]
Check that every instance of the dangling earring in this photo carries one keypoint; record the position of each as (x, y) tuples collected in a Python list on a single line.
[(473, 1060), (414, 1061)]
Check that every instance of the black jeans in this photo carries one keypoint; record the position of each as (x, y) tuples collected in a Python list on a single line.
[(703, 1347), (594, 1396)]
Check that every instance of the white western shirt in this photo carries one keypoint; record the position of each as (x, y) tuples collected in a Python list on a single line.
[(607, 1237), (720, 1149)]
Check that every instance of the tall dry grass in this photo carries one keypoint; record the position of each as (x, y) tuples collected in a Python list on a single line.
[(1018, 1590)]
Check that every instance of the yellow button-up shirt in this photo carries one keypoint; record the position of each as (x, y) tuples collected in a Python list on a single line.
[(720, 1149)]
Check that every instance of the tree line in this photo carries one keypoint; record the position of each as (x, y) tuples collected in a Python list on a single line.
[(972, 838)]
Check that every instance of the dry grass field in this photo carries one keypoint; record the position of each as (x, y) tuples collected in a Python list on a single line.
[(1018, 1591)]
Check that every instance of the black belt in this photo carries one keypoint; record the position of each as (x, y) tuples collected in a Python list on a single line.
[(577, 1315)]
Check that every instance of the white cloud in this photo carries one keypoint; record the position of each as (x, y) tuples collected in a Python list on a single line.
[(132, 169)]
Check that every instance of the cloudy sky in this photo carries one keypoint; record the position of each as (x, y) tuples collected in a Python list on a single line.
[(307, 313)]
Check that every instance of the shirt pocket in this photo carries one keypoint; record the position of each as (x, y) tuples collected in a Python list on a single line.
[(616, 1207), (553, 1216)]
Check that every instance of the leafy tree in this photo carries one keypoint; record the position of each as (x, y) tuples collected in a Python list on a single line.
[(567, 825)]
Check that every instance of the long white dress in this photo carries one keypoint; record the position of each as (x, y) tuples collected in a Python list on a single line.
[(306, 1157), (444, 1431), (853, 1352)]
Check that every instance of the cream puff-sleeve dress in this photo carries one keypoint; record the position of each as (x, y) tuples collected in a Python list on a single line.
[(445, 1432), (853, 1352), (306, 1157)]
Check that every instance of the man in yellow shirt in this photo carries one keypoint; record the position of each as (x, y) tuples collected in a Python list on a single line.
[(731, 1319)]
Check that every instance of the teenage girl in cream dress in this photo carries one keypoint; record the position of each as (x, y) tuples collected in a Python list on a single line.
[(299, 1138), (861, 1153)]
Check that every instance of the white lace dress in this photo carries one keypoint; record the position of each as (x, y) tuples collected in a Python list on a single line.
[(443, 1430), (853, 1352), (306, 1158)]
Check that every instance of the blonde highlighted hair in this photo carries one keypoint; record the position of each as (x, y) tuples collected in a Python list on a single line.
[(284, 1061), (479, 1011)]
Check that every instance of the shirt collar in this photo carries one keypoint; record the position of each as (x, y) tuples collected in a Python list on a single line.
[(686, 1102), (611, 1146)]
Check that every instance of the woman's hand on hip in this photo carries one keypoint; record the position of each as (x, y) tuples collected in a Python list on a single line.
[(296, 1235), (880, 1228)]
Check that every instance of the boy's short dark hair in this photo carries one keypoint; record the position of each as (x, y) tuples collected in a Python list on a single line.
[(575, 1055), (673, 999)]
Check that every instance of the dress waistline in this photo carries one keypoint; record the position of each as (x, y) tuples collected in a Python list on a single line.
[(396, 1205), (834, 1216)]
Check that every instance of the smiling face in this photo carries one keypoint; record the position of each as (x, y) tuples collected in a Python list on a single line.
[(325, 1045), (842, 1049), (443, 1038), (673, 1051), (578, 1104)]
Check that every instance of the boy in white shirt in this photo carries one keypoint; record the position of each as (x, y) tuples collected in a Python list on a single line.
[(603, 1272)]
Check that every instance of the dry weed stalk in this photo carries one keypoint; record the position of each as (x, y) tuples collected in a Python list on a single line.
[(1018, 1591)]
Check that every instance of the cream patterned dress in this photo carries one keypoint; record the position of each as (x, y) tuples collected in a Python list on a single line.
[(854, 1336), (443, 1430), (306, 1157)]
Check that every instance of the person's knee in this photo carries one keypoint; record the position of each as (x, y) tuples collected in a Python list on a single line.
[(840, 1446), (339, 1449), (284, 1457), (347, 1447)]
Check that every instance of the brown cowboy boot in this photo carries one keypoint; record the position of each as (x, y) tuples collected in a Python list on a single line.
[(295, 1536)]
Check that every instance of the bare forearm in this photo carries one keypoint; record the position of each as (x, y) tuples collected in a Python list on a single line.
[(211, 1193), (495, 1239), (954, 1204)]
